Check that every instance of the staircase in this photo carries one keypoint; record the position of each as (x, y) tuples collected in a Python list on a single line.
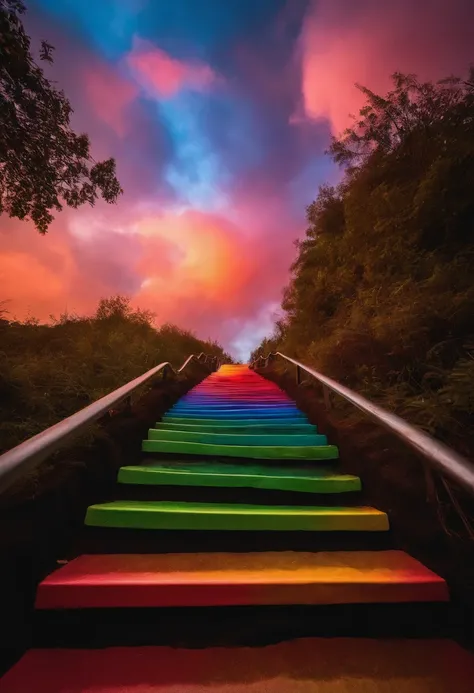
[(237, 529)]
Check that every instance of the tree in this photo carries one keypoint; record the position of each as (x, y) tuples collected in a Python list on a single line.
[(43, 163), (381, 295), (118, 308), (411, 109)]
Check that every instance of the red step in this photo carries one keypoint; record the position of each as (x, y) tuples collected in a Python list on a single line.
[(309, 665)]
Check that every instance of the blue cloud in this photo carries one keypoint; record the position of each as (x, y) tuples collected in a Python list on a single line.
[(194, 171), (108, 25), (201, 28)]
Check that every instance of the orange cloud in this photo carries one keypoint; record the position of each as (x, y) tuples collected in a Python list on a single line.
[(207, 264), (163, 75), (341, 44), (192, 268), (42, 275), (196, 269), (34, 275), (108, 95)]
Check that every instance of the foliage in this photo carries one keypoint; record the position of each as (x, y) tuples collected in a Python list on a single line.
[(381, 294), (48, 372), (43, 163), (411, 110)]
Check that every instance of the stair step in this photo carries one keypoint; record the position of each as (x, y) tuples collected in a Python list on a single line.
[(234, 402), (220, 516), (306, 665), (212, 438), (222, 427), (241, 403), (226, 579), (250, 476), (135, 540), (238, 396), (246, 412), (249, 394), (247, 495), (262, 452), (231, 413), (201, 413), (241, 421)]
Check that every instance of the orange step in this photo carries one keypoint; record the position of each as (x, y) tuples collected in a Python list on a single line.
[(218, 579)]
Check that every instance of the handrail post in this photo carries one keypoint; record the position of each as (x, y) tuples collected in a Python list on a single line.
[(298, 375), (446, 460), (270, 358), (327, 397), (33, 451)]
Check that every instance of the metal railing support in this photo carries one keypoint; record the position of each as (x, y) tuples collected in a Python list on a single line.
[(298, 375), (446, 460), (29, 454)]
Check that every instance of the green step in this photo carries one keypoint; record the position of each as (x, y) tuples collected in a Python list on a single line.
[(272, 439), (233, 422), (240, 476), (169, 515), (257, 452), (238, 428)]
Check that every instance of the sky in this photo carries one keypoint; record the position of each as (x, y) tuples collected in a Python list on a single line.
[(218, 113)]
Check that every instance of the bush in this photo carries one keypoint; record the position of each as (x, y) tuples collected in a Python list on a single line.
[(48, 372)]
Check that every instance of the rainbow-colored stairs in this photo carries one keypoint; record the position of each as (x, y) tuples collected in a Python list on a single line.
[(237, 528), (233, 395), (239, 450)]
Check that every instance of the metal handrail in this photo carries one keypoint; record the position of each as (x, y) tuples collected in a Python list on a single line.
[(444, 458), (27, 455)]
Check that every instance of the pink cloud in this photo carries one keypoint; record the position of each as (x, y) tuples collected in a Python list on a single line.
[(212, 274), (36, 274), (207, 266), (198, 270), (342, 44), (164, 75), (108, 95), (45, 275)]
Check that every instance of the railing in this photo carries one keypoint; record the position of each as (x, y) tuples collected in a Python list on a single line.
[(446, 460), (15, 462)]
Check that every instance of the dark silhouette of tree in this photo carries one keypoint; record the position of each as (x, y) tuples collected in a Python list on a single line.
[(43, 163), (412, 109)]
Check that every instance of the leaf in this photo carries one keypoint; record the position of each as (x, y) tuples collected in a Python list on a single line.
[(43, 162)]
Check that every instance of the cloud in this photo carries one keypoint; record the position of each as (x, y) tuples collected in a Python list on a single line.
[(344, 42), (210, 273), (164, 76), (199, 270), (203, 234), (108, 105), (252, 330), (108, 95), (218, 156), (66, 269)]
